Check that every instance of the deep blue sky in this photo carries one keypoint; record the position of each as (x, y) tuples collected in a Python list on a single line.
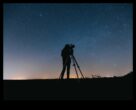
[(34, 35)]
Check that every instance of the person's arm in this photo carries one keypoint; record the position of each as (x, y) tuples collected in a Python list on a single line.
[(72, 52), (62, 53)]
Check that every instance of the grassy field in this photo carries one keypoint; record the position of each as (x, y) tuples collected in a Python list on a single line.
[(74, 89)]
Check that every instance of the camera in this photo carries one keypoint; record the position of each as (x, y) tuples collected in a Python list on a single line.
[(72, 45)]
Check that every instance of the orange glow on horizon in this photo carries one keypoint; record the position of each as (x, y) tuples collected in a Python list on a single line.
[(55, 75)]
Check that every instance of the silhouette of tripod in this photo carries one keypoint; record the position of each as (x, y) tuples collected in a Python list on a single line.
[(75, 64)]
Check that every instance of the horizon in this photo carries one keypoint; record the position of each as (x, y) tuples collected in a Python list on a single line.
[(71, 77)]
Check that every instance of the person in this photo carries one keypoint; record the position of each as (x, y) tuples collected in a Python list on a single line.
[(66, 52)]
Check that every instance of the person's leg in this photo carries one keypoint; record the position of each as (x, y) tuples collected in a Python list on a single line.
[(68, 69), (63, 71), (64, 68)]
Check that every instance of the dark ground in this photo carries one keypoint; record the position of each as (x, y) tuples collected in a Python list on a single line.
[(92, 89)]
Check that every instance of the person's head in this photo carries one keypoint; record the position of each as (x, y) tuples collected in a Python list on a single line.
[(66, 46)]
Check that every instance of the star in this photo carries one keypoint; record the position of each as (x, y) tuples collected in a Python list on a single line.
[(41, 15)]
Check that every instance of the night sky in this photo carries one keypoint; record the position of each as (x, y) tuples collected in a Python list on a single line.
[(34, 35)]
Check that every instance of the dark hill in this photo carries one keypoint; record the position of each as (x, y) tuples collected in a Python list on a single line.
[(117, 88)]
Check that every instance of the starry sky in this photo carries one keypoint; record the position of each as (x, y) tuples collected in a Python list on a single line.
[(34, 35)]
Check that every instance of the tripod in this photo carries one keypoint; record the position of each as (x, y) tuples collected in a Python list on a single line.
[(75, 64)]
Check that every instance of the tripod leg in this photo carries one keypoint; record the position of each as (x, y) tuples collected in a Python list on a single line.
[(76, 70), (81, 72), (78, 66), (75, 67)]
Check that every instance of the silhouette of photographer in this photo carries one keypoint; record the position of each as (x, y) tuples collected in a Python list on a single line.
[(66, 52)]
